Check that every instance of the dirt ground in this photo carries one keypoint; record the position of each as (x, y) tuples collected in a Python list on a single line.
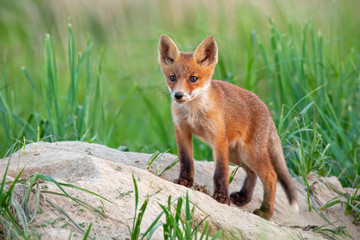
[(108, 172)]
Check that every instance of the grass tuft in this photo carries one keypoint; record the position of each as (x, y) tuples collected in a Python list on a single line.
[(176, 225), (16, 216)]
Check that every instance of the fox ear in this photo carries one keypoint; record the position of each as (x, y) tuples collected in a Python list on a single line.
[(168, 51), (206, 53)]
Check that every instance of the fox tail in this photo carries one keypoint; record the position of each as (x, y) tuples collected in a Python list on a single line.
[(279, 164)]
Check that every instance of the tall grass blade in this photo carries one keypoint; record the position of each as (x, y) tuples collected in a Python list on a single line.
[(87, 232)]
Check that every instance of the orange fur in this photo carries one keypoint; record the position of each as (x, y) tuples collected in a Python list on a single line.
[(233, 121)]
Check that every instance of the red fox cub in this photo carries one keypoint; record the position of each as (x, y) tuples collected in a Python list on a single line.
[(233, 121)]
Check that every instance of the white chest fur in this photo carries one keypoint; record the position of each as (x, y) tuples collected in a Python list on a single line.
[(193, 112), (194, 115)]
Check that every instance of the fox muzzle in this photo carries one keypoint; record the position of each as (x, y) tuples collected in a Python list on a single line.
[(178, 95)]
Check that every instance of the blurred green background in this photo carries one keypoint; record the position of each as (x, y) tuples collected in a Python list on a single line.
[(96, 78)]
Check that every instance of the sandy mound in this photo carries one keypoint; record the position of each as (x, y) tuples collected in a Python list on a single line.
[(108, 172)]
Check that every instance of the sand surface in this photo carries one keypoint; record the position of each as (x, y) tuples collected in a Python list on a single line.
[(108, 172)]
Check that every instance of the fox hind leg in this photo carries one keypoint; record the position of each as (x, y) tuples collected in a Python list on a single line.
[(238, 155), (268, 177), (245, 195), (257, 164)]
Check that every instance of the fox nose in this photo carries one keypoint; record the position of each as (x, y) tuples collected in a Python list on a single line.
[(178, 95)]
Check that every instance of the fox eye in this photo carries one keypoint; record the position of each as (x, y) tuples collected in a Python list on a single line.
[(172, 78), (193, 78)]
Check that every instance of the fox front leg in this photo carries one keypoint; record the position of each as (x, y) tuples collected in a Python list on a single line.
[(184, 144), (221, 179)]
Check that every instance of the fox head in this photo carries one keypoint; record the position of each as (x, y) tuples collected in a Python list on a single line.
[(187, 74)]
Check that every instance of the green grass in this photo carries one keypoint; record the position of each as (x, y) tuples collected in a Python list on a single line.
[(98, 79), (352, 204), (18, 208), (177, 225)]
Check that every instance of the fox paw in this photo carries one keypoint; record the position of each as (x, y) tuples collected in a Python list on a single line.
[(264, 214), (221, 198), (184, 182), (239, 198)]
